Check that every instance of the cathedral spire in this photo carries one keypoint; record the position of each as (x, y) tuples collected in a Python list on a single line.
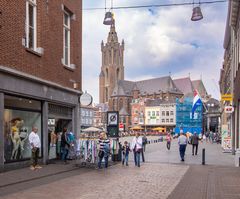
[(112, 35)]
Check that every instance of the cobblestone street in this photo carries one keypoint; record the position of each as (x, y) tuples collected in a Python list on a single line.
[(149, 181)]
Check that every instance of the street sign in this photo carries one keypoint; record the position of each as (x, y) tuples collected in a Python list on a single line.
[(113, 123), (228, 109), (112, 118), (226, 97), (121, 126)]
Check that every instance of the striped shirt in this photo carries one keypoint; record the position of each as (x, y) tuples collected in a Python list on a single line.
[(102, 143)]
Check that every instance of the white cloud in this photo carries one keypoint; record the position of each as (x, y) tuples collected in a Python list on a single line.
[(157, 43)]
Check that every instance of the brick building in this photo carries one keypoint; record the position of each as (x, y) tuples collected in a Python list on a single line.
[(40, 74)]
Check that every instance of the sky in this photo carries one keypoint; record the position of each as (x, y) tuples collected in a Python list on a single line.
[(158, 42)]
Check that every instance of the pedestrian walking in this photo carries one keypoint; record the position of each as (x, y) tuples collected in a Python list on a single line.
[(125, 153), (182, 142), (136, 147), (35, 144), (194, 141), (65, 145), (144, 141), (211, 137), (168, 139), (104, 150)]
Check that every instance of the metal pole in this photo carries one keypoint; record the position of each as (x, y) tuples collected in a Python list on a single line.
[(203, 156)]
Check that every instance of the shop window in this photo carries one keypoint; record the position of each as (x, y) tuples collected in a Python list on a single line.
[(18, 122)]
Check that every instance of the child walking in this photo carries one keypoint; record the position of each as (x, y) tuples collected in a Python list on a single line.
[(125, 153)]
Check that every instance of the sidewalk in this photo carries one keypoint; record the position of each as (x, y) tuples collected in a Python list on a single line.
[(208, 182), (25, 174)]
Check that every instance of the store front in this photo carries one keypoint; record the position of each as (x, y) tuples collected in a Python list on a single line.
[(20, 115), (26, 101), (59, 117)]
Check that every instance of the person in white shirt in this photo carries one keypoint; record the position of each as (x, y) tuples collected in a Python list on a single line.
[(35, 143), (136, 147), (182, 142)]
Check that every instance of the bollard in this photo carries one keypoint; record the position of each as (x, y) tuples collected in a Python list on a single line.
[(203, 156), (239, 162)]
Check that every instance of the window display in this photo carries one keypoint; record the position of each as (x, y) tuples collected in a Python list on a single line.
[(17, 127)]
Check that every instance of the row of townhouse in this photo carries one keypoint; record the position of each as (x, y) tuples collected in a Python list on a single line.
[(230, 77)]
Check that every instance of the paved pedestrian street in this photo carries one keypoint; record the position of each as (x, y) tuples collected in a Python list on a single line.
[(149, 181), (161, 176)]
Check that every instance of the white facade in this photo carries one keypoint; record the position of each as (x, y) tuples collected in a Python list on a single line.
[(162, 115)]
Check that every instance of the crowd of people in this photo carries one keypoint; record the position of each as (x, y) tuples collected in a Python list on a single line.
[(137, 146)]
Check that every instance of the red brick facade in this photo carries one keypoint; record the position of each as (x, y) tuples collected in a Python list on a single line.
[(48, 66)]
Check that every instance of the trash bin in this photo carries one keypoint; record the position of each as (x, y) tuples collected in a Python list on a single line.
[(237, 156)]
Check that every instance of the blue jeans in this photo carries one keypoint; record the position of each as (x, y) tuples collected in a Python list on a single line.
[(125, 158), (182, 149), (64, 153), (105, 162), (137, 158)]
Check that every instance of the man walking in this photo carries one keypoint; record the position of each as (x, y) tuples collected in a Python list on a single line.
[(182, 142), (35, 143), (194, 142)]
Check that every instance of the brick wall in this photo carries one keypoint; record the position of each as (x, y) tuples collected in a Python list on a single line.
[(49, 36)]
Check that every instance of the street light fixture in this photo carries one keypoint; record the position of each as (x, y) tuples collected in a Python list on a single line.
[(197, 13), (108, 19)]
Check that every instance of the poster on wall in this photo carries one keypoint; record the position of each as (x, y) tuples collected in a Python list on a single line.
[(226, 139)]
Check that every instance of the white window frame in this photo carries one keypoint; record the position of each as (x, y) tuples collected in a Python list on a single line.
[(34, 4), (68, 28)]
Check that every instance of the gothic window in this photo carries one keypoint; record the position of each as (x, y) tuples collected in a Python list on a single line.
[(115, 57), (104, 58), (106, 94), (106, 75), (110, 57), (118, 74), (120, 104)]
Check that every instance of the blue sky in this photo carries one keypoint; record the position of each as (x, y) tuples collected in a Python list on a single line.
[(158, 41)]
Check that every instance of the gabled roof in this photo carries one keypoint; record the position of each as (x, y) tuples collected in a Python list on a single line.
[(157, 85), (185, 85), (123, 88), (150, 86), (199, 86)]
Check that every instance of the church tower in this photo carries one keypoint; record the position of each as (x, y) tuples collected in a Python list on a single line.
[(112, 68)]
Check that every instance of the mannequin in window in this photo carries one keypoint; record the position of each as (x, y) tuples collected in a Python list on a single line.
[(16, 124)]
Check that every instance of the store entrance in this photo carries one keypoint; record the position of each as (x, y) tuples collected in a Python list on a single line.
[(55, 129)]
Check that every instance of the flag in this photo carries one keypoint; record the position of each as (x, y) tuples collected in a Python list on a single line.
[(196, 102)]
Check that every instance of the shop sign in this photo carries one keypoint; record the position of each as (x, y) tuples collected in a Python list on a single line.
[(228, 109), (226, 97), (51, 121)]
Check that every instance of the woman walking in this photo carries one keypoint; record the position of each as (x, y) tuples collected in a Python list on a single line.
[(136, 147)]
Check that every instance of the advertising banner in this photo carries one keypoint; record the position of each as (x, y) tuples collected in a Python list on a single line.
[(226, 139)]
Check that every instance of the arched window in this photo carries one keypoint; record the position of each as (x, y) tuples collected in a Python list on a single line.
[(107, 75), (118, 74), (106, 94), (120, 103)]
